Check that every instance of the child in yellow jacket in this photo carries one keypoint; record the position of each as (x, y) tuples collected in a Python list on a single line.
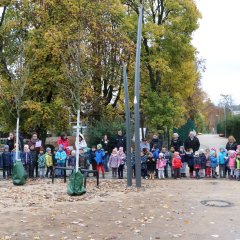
[(49, 161)]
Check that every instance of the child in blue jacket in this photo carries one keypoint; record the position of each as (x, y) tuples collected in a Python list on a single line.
[(222, 160), (99, 158), (214, 163), (61, 157)]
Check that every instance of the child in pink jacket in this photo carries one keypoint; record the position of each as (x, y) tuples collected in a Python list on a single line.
[(232, 163), (114, 162), (161, 163)]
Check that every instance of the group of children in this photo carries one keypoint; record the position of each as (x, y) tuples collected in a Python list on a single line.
[(29, 159), (203, 163)]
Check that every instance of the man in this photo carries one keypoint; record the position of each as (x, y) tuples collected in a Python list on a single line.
[(120, 141), (192, 142), (176, 142), (145, 144), (156, 141)]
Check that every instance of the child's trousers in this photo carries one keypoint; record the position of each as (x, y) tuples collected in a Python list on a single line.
[(114, 172), (237, 172), (222, 170), (100, 167), (41, 172), (161, 173), (208, 171)]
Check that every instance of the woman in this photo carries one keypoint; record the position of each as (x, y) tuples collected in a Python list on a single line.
[(106, 147), (232, 144), (63, 140), (82, 142), (176, 142)]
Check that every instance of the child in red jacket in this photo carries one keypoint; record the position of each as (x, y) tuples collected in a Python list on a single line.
[(176, 164)]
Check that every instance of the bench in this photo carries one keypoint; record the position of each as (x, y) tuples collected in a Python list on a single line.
[(85, 173)]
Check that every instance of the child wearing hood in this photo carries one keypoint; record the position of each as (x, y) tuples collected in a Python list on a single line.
[(99, 158), (41, 163), (197, 164), (232, 163), (167, 157), (176, 165), (161, 163), (222, 157), (190, 161), (184, 162), (7, 162), (27, 161), (203, 160), (123, 158), (238, 167), (61, 157), (49, 161), (214, 163), (208, 163), (151, 165), (114, 162)]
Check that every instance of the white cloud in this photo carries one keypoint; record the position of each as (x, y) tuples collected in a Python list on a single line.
[(218, 41)]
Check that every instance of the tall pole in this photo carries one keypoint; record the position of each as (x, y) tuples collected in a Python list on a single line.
[(128, 127), (225, 121), (77, 141), (136, 102), (17, 139)]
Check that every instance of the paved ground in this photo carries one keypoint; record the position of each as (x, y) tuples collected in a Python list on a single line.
[(162, 209), (211, 140)]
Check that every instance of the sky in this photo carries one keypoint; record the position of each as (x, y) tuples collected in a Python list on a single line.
[(218, 42)]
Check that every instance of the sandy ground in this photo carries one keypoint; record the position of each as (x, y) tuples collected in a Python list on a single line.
[(162, 209)]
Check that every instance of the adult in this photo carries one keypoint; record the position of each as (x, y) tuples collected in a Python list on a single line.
[(82, 142), (107, 148), (10, 141), (34, 150), (176, 142), (192, 142), (144, 144), (120, 141), (156, 141), (232, 144), (63, 140)]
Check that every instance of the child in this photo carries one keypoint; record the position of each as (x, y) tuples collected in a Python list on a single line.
[(167, 157), (143, 165), (7, 162), (203, 159), (151, 165), (190, 161), (208, 163), (49, 161), (123, 158), (13, 155), (27, 162), (161, 163), (155, 153), (183, 159), (176, 164), (172, 151), (232, 163), (83, 161), (53, 156), (133, 162), (197, 164), (238, 167), (114, 162), (99, 155), (41, 163), (92, 156), (222, 162), (61, 157), (238, 149), (214, 163), (72, 159)]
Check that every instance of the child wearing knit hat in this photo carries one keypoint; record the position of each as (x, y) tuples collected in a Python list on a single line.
[(7, 160), (49, 162)]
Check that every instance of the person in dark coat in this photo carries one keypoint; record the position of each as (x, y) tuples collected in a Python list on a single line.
[(120, 141), (107, 149), (10, 142), (192, 142), (232, 144), (156, 141), (176, 142)]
